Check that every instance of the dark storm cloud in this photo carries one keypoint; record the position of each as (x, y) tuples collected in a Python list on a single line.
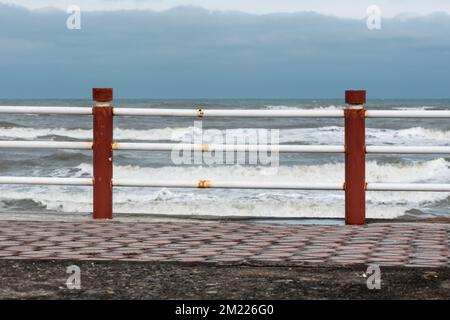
[(191, 52)]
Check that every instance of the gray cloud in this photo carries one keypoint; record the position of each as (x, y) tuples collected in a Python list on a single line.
[(190, 52), (341, 8)]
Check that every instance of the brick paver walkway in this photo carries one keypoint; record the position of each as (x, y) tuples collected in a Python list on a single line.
[(412, 244)]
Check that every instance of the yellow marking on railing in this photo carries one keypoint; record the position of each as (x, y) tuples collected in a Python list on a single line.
[(204, 184)]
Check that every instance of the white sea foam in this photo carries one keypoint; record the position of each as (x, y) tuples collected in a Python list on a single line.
[(243, 202), (86, 134), (437, 170), (322, 135), (265, 203)]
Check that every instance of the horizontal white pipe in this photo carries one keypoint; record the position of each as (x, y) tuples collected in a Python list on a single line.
[(45, 145), (45, 110), (226, 113), (408, 113), (46, 181), (229, 113), (408, 187), (227, 148), (225, 184), (408, 149)]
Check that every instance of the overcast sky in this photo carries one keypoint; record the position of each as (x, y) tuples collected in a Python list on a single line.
[(190, 52), (341, 8)]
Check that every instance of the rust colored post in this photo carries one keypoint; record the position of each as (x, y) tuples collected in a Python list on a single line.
[(103, 155), (355, 158)]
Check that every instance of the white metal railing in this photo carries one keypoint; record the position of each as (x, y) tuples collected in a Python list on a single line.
[(132, 146), (355, 100), (426, 187), (14, 144), (45, 145), (202, 113), (205, 184), (46, 181), (46, 110), (171, 184), (227, 113), (226, 148), (407, 150), (407, 113)]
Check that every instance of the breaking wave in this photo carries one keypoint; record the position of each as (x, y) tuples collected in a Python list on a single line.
[(323, 135), (256, 203)]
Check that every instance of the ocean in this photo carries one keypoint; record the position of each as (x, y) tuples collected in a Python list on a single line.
[(308, 168)]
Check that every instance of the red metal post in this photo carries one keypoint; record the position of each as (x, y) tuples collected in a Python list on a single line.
[(103, 155), (355, 158)]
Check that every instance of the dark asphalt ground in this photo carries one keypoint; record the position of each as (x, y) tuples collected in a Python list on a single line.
[(41, 279)]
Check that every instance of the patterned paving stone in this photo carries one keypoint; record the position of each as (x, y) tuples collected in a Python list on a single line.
[(385, 244), (71, 256), (312, 255), (190, 259), (112, 255), (73, 243), (308, 261), (6, 254), (18, 248), (382, 260), (350, 257), (312, 249), (222, 259), (10, 243), (36, 255)]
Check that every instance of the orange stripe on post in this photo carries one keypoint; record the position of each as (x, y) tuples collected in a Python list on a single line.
[(103, 154), (355, 158)]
